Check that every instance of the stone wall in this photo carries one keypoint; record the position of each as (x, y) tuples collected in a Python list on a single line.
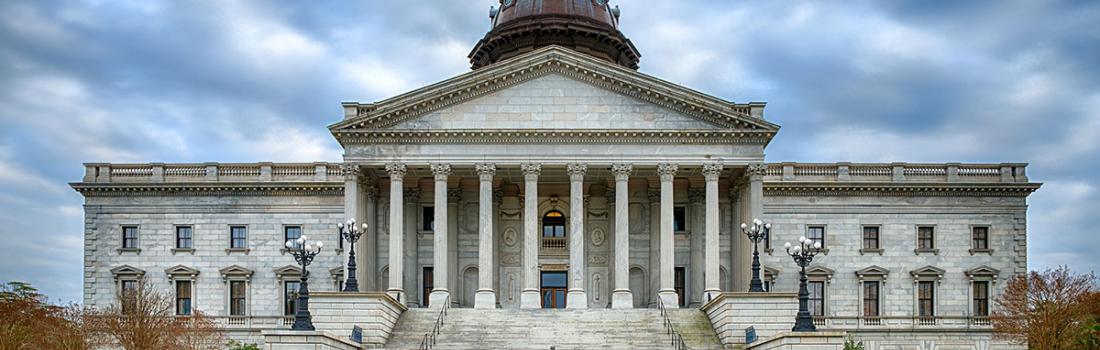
[(338, 312), (768, 313), (802, 341), (305, 340)]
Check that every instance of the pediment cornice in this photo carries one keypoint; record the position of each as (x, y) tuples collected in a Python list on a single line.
[(550, 60), (555, 136)]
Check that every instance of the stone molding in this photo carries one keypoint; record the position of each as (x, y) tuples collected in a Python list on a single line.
[(782, 189), (210, 189), (549, 60), (553, 136)]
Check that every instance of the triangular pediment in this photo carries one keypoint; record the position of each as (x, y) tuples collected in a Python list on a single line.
[(983, 271), (236, 271), (819, 271), (525, 92), (127, 270), (288, 270), (928, 271), (873, 270), (180, 270), (770, 272)]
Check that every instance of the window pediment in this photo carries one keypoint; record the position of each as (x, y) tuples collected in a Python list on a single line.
[(928, 273), (288, 271), (873, 272), (181, 272), (127, 271), (236, 272), (819, 273), (770, 273), (983, 271)]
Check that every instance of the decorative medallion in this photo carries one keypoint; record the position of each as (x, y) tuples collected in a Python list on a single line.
[(509, 237), (598, 237)]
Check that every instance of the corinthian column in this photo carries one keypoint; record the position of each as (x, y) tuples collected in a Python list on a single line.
[(667, 293), (440, 293), (486, 297), (529, 298), (711, 288), (622, 298), (396, 254), (577, 299), (351, 175)]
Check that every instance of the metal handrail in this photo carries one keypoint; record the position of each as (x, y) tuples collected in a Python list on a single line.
[(675, 337), (429, 338)]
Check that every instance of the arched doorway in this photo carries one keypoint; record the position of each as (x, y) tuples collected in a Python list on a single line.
[(638, 286), (469, 286)]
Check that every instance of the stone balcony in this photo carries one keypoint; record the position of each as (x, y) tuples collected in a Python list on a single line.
[(896, 172), (212, 172)]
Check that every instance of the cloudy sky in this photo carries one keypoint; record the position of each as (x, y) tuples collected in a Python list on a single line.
[(194, 81)]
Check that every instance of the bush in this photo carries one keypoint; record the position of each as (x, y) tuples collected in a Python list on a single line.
[(236, 345), (852, 344)]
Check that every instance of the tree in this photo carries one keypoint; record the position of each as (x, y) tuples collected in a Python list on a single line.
[(144, 318), (1049, 310), (27, 321)]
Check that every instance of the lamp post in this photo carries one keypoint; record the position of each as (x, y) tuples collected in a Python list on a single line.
[(351, 233), (303, 253), (803, 254), (759, 231)]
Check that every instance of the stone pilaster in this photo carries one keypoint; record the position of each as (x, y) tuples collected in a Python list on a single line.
[(577, 297), (397, 262), (711, 288), (486, 297), (369, 242), (667, 292), (530, 297), (697, 226), (441, 269), (352, 205), (654, 196), (622, 298)]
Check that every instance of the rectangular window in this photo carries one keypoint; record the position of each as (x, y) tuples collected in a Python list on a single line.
[(926, 297), (129, 286), (926, 237), (237, 298), (429, 284), (427, 219), (767, 286), (817, 234), (981, 298), (870, 299), (870, 237), (290, 297), (678, 284), (183, 298), (129, 236), (679, 219), (817, 298), (979, 236), (183, 237), (238, 237), (292, 232)]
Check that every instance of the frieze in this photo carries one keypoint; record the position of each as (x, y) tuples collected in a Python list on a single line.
[(510, 260), (597, 260)]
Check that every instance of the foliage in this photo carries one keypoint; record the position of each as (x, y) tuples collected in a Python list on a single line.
[(144, 319), (236, 345), (27, 321), (1049, 310), (852, 344)]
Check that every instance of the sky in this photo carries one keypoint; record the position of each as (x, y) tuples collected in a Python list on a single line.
[(247, 81)]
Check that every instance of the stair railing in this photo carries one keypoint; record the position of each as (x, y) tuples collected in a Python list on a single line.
[(675, 337), (428, 342)]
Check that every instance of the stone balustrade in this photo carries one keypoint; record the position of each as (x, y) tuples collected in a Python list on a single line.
[(897, 172), (212, 172)]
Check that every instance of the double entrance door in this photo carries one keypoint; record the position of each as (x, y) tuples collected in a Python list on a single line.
[(554, 287)]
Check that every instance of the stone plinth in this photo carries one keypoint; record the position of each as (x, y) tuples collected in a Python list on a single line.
[(338, 312), (768, 313), (802, 341), (285, 339)]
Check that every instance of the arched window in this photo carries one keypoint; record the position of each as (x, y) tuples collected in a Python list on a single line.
[(553, 224)]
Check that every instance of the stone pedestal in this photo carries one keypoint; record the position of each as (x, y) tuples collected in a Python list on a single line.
[(336, 313), (485, 299), (769, 313), (622, 299)]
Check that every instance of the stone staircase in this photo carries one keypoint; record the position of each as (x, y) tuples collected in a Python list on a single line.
[(541, 329)]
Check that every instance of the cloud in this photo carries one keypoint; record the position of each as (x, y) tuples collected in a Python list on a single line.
[(240, 81)]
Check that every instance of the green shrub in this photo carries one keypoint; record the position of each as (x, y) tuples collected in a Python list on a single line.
[(852, 344), (236, 345)]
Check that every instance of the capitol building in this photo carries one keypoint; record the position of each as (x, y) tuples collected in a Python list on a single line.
[(555, 196)]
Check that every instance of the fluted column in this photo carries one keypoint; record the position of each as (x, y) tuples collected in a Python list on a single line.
[(397, 262), (667, 293), (486, 297), (622, 298), (529, 298), (711, 172), (440, 270), (577, 298)]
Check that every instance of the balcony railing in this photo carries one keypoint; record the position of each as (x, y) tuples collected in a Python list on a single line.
[(554, 246), (897, 172), (254, 322), (901, 322), (207, 172)]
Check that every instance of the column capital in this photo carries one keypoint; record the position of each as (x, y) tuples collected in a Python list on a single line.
[(667, 171), (531, 171), (396, 170), (349, 171), (441, 171), (711, 171), (697, 195), (454, 195), (734, 189), (412, 195), (756, 169), (622, 171), (576, 171), (654, 195), (486, 171), (371, 191)]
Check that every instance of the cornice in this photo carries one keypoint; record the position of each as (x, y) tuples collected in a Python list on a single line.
[(796, 189), (209, 189), (553, 136), (542, 62)]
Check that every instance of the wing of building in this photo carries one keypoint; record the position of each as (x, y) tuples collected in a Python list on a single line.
[(555, 175)]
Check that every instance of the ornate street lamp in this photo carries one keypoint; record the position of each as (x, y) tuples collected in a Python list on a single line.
[(759, 231), (303, 253), (351, 233), (803, 254)]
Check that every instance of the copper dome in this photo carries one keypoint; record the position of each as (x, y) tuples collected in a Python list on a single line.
[(589, 26)]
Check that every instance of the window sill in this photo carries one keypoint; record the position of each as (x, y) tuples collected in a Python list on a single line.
[(925, 251), (238, 250), (869, 251), (129, 250), (769, 251), (339, 251), (823, 251), (981, 251), (183, 250)]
